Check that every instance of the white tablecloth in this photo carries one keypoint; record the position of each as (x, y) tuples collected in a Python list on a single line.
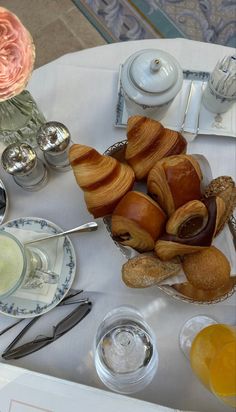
[(79, 90)]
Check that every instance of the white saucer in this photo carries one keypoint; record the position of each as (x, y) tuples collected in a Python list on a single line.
[(24, 308)]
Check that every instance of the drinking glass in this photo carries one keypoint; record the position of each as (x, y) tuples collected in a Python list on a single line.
[(211, 350), (126, 357), (22, 266)]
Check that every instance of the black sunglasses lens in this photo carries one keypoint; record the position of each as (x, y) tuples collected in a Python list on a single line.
[(72, 319)]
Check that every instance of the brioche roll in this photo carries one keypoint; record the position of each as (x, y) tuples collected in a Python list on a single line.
[(174, 181), (103, 179), (149, 141), (137, 221)]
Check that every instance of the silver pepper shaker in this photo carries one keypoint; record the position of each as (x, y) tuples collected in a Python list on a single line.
[(54, 139), (28, 171)]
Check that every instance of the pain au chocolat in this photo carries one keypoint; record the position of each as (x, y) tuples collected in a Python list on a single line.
[(191, 228), (103, 179), (174, 181), (137, 221), (148, 141)]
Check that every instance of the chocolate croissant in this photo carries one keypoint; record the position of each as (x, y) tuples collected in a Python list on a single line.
[(174, 181), (148, 142), (103, 179), (193, 234), (137, 221)]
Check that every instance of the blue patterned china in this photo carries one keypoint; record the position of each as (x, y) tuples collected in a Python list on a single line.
[(19, 305)]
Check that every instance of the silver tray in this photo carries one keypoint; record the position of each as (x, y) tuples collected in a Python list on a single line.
[(117, 150), (186, 112)]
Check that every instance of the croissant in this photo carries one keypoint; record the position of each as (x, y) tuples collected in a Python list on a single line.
[(148, 142), (137, 221), (174, 181), (193, 234), (103, 179)]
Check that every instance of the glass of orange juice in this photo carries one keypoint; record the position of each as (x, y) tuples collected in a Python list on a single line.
[(211, 350)]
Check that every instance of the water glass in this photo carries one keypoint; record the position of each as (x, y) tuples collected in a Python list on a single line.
[(22, 266), (126, 356)]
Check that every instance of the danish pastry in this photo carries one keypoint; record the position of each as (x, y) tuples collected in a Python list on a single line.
[(174, 181), (103, 179), (137, 221), (148, 142), (181, 239)]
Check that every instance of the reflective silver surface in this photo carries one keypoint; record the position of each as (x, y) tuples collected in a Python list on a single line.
[(54, 139), (3, 202)]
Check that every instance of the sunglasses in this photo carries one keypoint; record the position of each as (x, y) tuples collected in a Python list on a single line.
[(64, 326)]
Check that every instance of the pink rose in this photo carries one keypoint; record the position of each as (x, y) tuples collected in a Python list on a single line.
[(17, 55)]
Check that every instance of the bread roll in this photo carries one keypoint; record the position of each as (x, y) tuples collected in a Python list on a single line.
[(137, 221), (200, 295), (208, 269), (103, 179), (146, 270), (174, 181), (149, 141)]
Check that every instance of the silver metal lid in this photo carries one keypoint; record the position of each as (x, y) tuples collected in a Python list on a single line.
[(53, 137), (19, 159)]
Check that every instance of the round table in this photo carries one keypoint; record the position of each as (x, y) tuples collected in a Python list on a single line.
[(80, 90)]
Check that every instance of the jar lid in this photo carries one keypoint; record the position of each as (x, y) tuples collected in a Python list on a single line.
[(53, 137), (153, 73), (151, 77), (19, 159)]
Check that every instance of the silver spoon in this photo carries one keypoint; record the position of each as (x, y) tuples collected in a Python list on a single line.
[(87, 227)]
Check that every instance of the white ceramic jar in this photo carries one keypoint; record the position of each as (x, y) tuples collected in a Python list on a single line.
[(150, 80)]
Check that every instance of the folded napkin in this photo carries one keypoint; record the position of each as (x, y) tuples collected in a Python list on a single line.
[(54, 250)]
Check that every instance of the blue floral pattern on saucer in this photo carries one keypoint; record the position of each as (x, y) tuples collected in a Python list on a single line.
[(23, 308)]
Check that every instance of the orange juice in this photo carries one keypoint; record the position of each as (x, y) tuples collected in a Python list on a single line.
[(213, 359)]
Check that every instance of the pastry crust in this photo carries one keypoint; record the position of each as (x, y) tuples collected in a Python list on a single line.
[(170, 245), (208, 269), (137, 221), (174, 181), (103, 179), (148, 142)]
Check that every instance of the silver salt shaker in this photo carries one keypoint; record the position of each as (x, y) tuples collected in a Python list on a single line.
[(54, 139), (28, 171)]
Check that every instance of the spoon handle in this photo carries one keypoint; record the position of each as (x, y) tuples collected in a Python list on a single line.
[(87, 227)]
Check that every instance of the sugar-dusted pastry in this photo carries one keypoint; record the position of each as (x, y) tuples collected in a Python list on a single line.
[(149, 141), (193, 234), (103, 179), (147, 270), (200, 295), (223, 187), (207, 269), (174, 181), (137, 221)]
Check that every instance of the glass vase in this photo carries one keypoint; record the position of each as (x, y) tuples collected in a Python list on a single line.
[(20, 119)]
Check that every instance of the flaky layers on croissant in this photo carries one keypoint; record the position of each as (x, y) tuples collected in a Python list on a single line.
[(103, 179), (137, 221), (174, 181), (193, 234), (148, 142)]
